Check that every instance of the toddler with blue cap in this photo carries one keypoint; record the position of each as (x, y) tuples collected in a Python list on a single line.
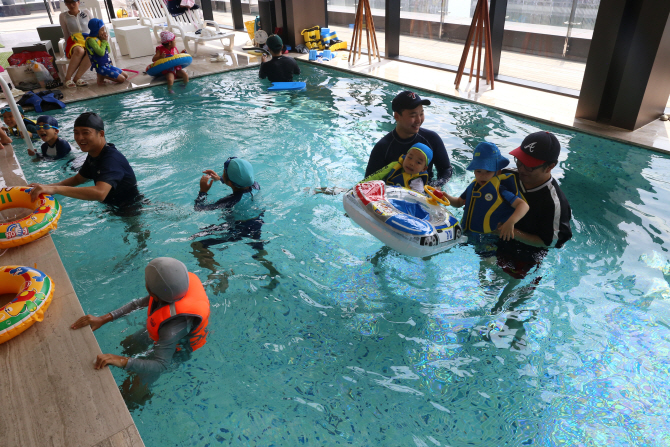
[(492, 201), (409, 171), (12, 127), (97, 48), (54, 147)]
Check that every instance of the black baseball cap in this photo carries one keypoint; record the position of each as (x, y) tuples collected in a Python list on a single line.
[(538, 148), (407, 100)]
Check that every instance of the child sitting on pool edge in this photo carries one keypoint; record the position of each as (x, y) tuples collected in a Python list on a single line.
[(53, 147), (97, 48), (492, 201), (409, 171), (168, 49)]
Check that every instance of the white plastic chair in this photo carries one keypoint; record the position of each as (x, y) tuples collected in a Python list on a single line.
[(185, 25), (92, 5), (151, 15)]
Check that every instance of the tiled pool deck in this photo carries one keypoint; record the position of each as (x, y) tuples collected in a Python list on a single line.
[(53, 395)]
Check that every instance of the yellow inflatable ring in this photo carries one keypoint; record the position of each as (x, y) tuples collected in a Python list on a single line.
[(35, 290), (43, 219)]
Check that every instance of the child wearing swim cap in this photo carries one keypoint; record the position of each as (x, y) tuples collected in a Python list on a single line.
[(168, 48), (492, 201), (409, 171), (13, 128), (97, 48), (54, 147)]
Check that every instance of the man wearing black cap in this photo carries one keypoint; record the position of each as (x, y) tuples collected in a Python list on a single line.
[(548, 220), (115, 182), (279, 68), (408, 113)]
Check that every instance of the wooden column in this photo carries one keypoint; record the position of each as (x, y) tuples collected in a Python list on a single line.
[(302, 14)]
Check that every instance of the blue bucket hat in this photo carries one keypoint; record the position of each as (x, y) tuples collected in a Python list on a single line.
[(487, 157), (428, 152), (240, 172), (50, 120), (94, 26)]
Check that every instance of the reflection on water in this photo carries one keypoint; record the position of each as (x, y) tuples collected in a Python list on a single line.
[(322, 336)]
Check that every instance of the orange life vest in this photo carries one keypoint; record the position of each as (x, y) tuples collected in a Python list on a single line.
[(194, 304)]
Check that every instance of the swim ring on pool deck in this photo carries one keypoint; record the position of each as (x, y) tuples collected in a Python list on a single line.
[(44, 218), (166, 63), (34, 291)]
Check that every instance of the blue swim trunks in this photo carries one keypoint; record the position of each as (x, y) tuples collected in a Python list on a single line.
[(109, 71)]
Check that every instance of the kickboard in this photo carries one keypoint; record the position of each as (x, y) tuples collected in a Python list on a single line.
[(287, 86)]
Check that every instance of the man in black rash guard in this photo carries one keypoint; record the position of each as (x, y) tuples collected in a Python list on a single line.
[(114, 179), (238, 174), (279, 68), (547, 223), (408, 113)]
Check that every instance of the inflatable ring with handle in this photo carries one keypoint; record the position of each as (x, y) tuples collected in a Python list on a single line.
[(166, 63), (34, 291), (439, 197), (44, 218)]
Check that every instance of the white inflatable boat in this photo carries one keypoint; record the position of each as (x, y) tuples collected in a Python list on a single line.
[(406, 221)]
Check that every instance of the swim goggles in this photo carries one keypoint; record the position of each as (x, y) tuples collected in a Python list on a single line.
[(46, 126), (5, 110)]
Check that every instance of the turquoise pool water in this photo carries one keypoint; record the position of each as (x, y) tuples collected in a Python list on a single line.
[(352, 344)]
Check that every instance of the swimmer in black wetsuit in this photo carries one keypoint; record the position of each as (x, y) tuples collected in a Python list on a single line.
[(238, 174)]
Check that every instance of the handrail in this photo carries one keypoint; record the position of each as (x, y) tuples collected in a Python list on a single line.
[(15, 111)]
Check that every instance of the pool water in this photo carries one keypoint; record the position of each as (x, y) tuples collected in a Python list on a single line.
[(319, 334)]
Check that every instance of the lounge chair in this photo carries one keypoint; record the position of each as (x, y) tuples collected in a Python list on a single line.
[(185, 26), (152, 15)]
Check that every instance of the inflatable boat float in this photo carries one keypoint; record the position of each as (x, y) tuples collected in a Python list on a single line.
[(408, 222)]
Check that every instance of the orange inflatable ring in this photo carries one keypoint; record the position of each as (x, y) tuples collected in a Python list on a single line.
[(35, 290), (43, 219)]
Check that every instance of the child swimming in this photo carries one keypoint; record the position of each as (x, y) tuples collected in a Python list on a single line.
[(54, 147), (97, 48), (167, 49), (492, 201), (12, 126), (409, 171)]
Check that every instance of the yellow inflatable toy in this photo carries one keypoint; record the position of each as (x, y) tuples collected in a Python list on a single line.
[(43, 219), (35, 290)]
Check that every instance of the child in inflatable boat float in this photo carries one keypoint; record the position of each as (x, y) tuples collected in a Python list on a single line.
[(492, 201), (409, 171), (168, 48)]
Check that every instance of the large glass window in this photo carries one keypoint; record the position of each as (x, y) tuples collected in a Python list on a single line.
[(435, 30), (222, 13), (548, 41), (341, 15)]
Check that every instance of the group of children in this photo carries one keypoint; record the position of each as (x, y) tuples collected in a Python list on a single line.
[(492, 201)]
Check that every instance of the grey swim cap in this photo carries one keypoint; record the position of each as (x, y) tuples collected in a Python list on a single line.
[(167, 279)]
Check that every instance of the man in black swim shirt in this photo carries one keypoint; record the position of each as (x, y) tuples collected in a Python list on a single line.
[(279, 68), (114, 179), (408, 113)]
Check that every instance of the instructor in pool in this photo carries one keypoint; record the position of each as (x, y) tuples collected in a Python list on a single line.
[(408, 113), (114, 179)]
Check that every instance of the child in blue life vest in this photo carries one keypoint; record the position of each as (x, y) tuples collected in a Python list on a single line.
[(97, 49), (53, 147), (409, 171), (492, 201)]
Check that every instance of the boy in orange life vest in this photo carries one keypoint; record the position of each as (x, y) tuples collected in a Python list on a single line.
[(178, 314)]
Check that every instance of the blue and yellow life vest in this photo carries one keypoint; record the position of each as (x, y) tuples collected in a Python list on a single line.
[(97, 61), (14, 131), (485, 208)]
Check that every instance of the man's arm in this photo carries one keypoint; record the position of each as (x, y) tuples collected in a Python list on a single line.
[(377, 158), (68, 188), (441, 162), (296, 67), (262, 72)]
